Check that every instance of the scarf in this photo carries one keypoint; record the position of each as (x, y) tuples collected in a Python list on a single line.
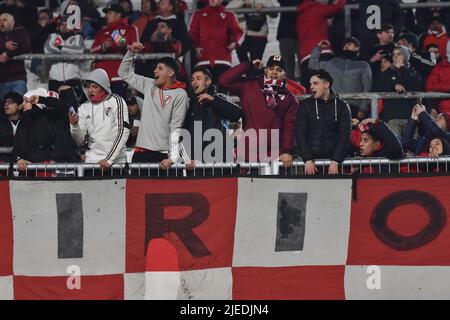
[(271, 91), (99, 97)]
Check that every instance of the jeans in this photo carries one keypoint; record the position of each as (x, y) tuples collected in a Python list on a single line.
[(18, 86)]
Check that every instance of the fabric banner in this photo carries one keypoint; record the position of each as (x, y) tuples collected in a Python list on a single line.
[(225, 238)]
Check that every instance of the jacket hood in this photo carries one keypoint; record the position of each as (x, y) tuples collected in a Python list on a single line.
[(100, 77), (333, 97), (177, 85)]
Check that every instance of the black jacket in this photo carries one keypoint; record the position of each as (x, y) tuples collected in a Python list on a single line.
[(429, 130), (386, 81), (213, 115), (7, 139), (323, 129), (422, 63), (48, 130)]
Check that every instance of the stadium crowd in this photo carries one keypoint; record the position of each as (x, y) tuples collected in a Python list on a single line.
[(145, 104)]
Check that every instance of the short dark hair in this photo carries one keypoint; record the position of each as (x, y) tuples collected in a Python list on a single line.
[(47, 11), (385, 27), (171, 63), (322, 75), (203, 70)]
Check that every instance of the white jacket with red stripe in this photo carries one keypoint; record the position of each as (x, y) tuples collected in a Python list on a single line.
[(212, 30)]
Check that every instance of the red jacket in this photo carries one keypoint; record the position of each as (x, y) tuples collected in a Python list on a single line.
[(213, 29), (130, 33), (256, 114), (439, 40), (439, 81), (312, 26)]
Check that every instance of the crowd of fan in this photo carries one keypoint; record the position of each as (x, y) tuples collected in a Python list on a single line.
[(143, 104)]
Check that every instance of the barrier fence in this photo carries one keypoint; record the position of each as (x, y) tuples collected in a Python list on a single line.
[(348, 167)]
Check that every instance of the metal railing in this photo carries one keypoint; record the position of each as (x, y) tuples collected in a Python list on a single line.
[(89, 56), (374, 97), (349, 166)]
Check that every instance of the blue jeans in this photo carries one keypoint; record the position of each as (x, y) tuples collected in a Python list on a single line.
[(18, 86)]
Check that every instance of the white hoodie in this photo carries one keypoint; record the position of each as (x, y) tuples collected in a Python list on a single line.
[(105, 123)]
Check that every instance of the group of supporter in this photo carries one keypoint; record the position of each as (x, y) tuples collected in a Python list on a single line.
[(146, 104)]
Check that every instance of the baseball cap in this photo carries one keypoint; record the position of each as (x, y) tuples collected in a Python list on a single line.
[(276, 60)]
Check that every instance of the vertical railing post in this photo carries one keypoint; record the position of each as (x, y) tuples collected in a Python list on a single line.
[(348, 21), (374, 106)]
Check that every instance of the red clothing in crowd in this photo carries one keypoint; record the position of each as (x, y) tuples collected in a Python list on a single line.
[(312, 26), (295, 88), (440, 40), (130, 33), (213, 29), (439, 81), (256, 113)]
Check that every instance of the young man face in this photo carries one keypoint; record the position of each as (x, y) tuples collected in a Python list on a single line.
[(133, 109), (11, 108), (94, 89), (274, 72), (441, 122), (434, 51), (350, 46), (146, 7), (200, 82), (165, 6), (398, 57), (319, 88), (436, 147), (43, 19), (126, 6), (368, 145), (215, 3), (112, 16), (436, 26), (6, 23), (163, 75), (386, 37)]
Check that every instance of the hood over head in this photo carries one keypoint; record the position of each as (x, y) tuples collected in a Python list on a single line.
[(100, 77)]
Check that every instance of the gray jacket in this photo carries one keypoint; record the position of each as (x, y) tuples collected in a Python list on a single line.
[(348, 75), (162, 114)]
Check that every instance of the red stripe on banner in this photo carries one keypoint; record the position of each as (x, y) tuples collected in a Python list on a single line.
[(289, 283), (6, 231), (400, 222), (197, 217), (105, 287)]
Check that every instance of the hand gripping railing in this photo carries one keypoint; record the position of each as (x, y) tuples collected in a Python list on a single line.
[(408, 165)]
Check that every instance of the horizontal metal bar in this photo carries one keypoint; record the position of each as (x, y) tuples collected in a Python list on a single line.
[(350, 6), (6, 150), (378, 95), (320, 162), (376, 161), (88, 56)]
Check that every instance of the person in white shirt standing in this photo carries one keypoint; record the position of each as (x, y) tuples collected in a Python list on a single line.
[(64, 41), (163, 112), (103, 119)]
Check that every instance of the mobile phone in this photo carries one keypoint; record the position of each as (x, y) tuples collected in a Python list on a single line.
[(72, 110)]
